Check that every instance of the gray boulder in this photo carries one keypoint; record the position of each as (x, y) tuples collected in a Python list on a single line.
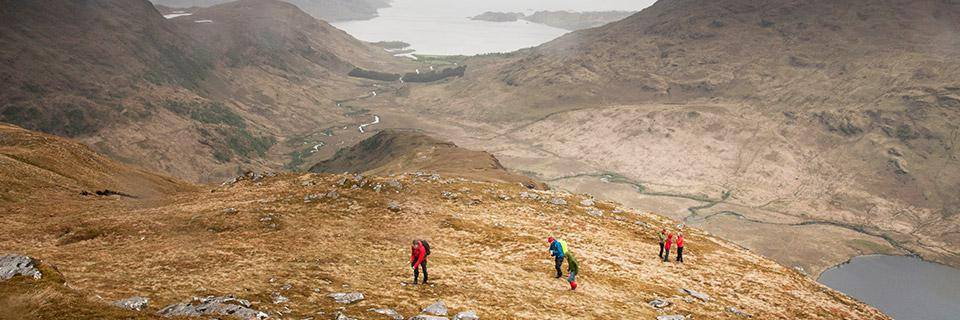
[(13, 265), (279, 298), (699, 295), (213, 306), (466, 315), (393, 314), (333, 194), (595, 212), (587, 202), (428, 317), (449, 195), (395, 184), (738, 312), (529, 195), (311, 197), (558, 202), (659, 303), (346, 297), (394, 206), (437, 309), (133, 303)]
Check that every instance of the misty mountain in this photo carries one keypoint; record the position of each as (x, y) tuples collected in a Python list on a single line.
[(327, 10)]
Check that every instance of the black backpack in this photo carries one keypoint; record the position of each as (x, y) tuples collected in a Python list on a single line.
[(426, 246)]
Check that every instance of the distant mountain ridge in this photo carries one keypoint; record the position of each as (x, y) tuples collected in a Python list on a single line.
[(327, 10), (194, 99)]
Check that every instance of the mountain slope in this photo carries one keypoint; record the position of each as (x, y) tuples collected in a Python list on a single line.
[(197, 100), (393, 151), (36, 167), (303, 236), (786, 113), (326, 10)]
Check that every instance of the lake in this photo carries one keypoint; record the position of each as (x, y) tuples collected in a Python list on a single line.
[(905, 288), (443, 27)]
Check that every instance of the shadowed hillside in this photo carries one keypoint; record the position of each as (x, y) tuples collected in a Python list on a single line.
[(200, 97)]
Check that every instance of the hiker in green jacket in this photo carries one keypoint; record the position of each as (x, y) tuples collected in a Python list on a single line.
[(573, 268)]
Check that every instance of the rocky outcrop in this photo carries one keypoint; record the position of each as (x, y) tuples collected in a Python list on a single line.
[(699, 295), (346, 297), (466, 315), (437, 309), (659, 303), (389, 313), (133, 303), (14, 265), (214, 306)]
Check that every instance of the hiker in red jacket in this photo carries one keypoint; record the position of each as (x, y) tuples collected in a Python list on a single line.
[(418, 260), (680, 247), (666, 247)]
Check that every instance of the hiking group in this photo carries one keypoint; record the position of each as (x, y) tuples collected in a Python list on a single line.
[(666, 241), (559, 250)]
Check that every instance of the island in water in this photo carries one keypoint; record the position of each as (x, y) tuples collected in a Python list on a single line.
[(558, 19)]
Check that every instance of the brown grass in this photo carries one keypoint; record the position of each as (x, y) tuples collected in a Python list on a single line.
[(490, 257)]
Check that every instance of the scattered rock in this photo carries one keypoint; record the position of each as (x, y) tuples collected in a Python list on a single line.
[(342, 182), (377, 187), (529, 195), (278, 298), (346, 298), (588, 202), (389, 313), (699, 295), (133, 303), (427, 317), (466, 315), (895, 152), (595, 212), (394, 206), (286, 287), (307, 183), (341, 316), (13, 265), (437, 309), (738, 312), (333, 194), (230, 210), (395, 184), (449, 195), (311, 197), (659, 303), (671, 317), (503, 197), (558, 202), (216, 306), (899, 166)]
